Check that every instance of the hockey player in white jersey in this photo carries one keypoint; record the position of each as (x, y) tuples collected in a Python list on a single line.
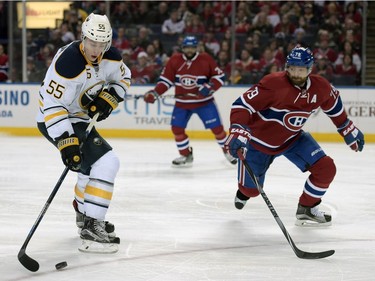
[(86, 77)]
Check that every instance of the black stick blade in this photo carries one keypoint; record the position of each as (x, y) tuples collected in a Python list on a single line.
[(27, 262), (314, 256)]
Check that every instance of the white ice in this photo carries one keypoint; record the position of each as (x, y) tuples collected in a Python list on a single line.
[(181, 224)]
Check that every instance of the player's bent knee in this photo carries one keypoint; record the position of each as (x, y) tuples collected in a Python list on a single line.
[(324, 170), (249, 192), (106, 167)]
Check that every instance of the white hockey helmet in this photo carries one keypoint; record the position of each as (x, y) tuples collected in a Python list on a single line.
[(97, 28)]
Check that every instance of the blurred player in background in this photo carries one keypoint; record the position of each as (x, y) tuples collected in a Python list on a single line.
[(196, 77), (85, 78), (267, 121)]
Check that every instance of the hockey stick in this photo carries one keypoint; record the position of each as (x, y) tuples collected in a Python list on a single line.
[(172, 96), (299, 253), (24, 259)]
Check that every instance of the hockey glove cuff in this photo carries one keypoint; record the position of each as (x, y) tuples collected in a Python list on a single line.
[(352, 135), (104, 104), (70, 151), (206, 90), (239, 138), (151, 96)]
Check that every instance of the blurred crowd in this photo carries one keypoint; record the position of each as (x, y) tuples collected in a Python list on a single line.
[(147, 33)]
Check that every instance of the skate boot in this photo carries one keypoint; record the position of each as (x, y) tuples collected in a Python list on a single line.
[(184, 161), (230, 158), (109, 227), (95, 238), (240, 200), (311, 216)]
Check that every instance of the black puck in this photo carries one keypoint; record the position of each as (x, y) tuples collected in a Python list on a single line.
[(61, 265)]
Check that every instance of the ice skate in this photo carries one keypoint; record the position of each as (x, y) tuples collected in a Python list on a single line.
[(311, 216), (95, 238), (238, 203), (230, 158), (109, 227), (184, 161)]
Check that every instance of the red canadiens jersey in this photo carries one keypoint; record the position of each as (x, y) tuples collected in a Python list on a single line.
[(187, 76), (275, 110)]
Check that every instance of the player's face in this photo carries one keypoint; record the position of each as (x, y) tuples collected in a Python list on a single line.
[(93, 49), (189, 51), (297, 74)]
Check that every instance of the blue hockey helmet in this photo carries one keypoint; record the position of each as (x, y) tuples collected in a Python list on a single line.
[(190, 41), (300, 56)]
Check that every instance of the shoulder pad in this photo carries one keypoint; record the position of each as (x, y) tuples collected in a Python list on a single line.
[(71, 62), (112, 54)]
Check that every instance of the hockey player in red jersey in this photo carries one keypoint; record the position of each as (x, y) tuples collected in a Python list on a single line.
[(267, 121), (196, 77)]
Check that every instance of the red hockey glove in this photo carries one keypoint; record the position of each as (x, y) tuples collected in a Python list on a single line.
[(239, 137), (352, 135), (206, 90), (151, 96)]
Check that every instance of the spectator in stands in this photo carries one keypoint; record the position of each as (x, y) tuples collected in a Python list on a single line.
[(348, 49), (67, 35), (246, 62), (142, 14), (144, 37), (262, 24), (153, 58), (46, 52), (4, 64), (55, 39), (173, 25), (310, 18), (34, 73), (122, 14), (161, 14), (194, 25), (183, 11), (219, 25), (126, 58), (323, 67), (142, 73), (268, 59), (32, 46), (347, 67), (121, 42), (285, 27), (333, 26), (223, 61), (325, 51), (353, 12), (211, 43), (207, 13), (242, 24), (135, 48), (272, 15)]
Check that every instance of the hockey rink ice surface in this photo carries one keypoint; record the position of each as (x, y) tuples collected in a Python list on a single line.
[(181, 224)]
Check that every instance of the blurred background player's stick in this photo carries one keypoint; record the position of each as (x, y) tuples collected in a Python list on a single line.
[(299, 253), (172, 96), (24, 259)]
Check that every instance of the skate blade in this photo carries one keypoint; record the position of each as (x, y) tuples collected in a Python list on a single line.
[(310, 223), (186, 165), (110, 234), (89, 246)]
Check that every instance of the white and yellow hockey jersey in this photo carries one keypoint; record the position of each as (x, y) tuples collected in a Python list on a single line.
[(72, 82)]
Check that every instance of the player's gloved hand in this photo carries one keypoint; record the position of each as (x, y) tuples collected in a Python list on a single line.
[(206, 89), (352, 135), (104, 104), (150, 96), (70, 151), (239, 137)]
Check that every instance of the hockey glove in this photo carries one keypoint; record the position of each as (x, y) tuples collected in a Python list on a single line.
[(352, 135), (151, 96), (70, 152), (239, 137), (206, 90), (104, 104)]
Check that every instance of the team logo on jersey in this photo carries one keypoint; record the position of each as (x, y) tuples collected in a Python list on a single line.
[(294, 121), (188, 81)]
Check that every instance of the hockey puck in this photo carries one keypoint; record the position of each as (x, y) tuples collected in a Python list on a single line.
[(61, 265)]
